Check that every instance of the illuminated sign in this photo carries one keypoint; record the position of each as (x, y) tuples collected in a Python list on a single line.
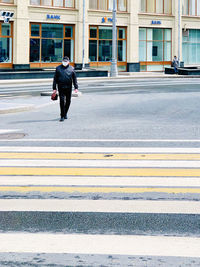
[(105, 20), (157, 22), (53, 17)]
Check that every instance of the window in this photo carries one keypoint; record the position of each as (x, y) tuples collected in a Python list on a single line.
[(154, 46), (100, 44), (55, 3), (156, 6), (191, 7), (191, 47), (7, 1), (107, 5), (121, 44), (5, 43), (49, 43)]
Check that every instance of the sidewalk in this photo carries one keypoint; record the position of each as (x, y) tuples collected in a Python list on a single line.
[(24, 103)]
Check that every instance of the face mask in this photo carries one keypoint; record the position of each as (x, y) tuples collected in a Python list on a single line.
[(65, 64)]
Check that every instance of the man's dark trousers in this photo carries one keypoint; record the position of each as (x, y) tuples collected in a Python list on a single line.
[(65, 101)]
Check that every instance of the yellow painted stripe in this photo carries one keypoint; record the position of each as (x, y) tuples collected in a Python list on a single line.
[(101, 171), (99, 156), (84, 190)]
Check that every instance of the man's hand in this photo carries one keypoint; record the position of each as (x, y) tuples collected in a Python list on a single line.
[(76, 90), (54, 91)]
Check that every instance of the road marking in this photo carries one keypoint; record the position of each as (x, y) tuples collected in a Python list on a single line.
[(99, 181), (143, 172), (99, 163), (109, 140), (100, 149), (4, 131), (105, 190), (107, 206), (100, 244), (95, 156)]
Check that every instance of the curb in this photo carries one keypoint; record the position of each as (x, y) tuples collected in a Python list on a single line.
[(24, 108), (16, 109), (121, 76), (50, 93)]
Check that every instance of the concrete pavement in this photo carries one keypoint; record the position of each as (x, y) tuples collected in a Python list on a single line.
[(26, 103)]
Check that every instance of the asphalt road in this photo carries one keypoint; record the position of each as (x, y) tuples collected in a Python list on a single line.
[(125, 111), (47, 214)]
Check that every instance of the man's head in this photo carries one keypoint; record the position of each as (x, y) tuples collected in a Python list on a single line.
[(65, 61)]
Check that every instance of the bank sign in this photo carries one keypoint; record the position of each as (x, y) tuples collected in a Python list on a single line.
[(156, 22), (105, 20), (53, 17)]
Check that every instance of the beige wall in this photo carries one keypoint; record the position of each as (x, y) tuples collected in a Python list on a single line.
[(24, 14)]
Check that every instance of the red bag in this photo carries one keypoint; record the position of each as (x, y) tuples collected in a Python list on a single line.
[(54, 96)]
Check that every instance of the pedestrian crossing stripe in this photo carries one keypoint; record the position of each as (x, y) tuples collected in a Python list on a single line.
[(100, 244), (106, 190), (99, 156), (133, 172)]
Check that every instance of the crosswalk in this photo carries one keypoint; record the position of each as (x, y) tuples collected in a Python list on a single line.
[(127, 202)]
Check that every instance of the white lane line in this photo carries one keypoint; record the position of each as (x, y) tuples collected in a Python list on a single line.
[(99, 181), (4, 131), (100, 149), (100, 244), (117, 206), (137, 85), (108, 140), (99, 163)]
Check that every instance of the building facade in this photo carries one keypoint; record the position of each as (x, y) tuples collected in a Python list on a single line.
[(41, 32)]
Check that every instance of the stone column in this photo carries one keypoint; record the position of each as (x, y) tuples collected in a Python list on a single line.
[(175, 44), (21, 36), (133, 64), (79, 35)]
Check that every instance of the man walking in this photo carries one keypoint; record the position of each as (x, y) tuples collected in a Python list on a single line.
[(63, 79)]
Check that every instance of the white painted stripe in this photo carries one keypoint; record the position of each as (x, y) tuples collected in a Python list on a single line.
[(138, 85), (100, 149), (100, 244), (99, 181), (117, 206), (99, 163), (108, 140), (3, 131)]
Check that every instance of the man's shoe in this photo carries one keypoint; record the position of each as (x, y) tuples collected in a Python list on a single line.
[(65, 117), (61, 119)]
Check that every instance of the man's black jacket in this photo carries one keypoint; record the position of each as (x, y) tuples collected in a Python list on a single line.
[(64, 76)]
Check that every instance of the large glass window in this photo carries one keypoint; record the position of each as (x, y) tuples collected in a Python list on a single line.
[(5, 43), (50, 42), (154, 46), (55, 3), (100, 44), (121, 44), (107, 5), (191, 47), (191, 7), (156, 6)]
